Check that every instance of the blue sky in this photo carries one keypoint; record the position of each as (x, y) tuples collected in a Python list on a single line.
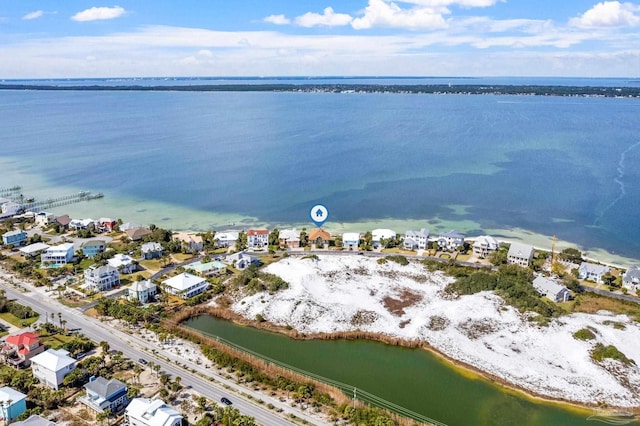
[(130, 38)]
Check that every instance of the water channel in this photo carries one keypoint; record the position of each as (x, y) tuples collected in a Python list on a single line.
[(412, 378)]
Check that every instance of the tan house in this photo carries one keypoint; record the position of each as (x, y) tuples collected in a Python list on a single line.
[(136, 234), (191, 243), (319, 237)]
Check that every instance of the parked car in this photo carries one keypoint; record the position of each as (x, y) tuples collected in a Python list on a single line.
[(225, 401), (142, 361)]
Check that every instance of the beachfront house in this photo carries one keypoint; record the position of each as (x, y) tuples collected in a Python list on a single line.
[(257, 238), (289, 238), (9, 208), (207, 269), (57, 255), (123, 263), (319, 238), (185, 285), (450, 241), (51, 367), (551, 289), (378, 235), (151, 250), (592, 271), (92, 248), (12, 404), (631, 279), (44, 219), (351, 240), (137, 234), (101, 278), (106, 224), (18, 349), (144, 291), (191, 243), (226, 239), (63, 221), (78, 224), (16, 238), (33, 250), (151, 412), (416, 240), (484, 245), (103, 394), (520, 254), (129, 225), (241, 260), (34, 420)]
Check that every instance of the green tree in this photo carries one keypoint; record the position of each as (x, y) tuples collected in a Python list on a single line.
[(274, 237), (304, 238), (241, 242), (571, 255)]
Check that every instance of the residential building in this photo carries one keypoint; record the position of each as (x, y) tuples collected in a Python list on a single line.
[(129, 225), (185, 285), (151, 250), (241, 260), (208, 269), (226, 239), (551, 289), (10, 208), (319, 237), (377, 235), (416, 240), (136, 234), (257, 238), (592, 271), (450, 241), (33, 250), (34, 420), (144, 291), (58, 255), (92, 248), (351, 240), (191, 243), (484, 245), (106, 224), (103, 394), (289, 238), (520, 254), (101, 278), (151, 412), (18, 349), (12, 404), (44, 219), (78, 224), (63, 221), (123, 263), (631, 279), (51, 367), (17, 238)]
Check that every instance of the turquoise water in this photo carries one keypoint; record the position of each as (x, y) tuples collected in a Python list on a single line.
[(545, 165)]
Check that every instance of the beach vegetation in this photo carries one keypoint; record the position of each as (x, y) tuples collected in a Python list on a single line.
[(498, 257), (304, 238), (256, 281), (367, 241), (600, 352), (584, 334), (591, 303), (399, 259), (274, 237), (241, 242), (570, 255)]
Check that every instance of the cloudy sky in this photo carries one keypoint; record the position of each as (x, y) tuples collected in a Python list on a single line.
[(74, 38)]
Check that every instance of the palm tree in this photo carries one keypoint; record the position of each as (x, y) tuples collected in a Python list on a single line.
[(60, 318)]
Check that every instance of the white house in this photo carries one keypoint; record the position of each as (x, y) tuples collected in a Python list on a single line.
[(416, 240), (484, 245), (44, 219), (51, 366), (185, 285), (101, 278), (381, 234), (129, 225), (257, 238), (151, 412), (450, 241), (33, 250), (123, 262), (592, 271), (241, 260), (10, 208), (520, 254), (12, 404), (351, 240), (81, 223), (58, 255), (226, 239), (551, 289), (289, 238), (631, 279), (191, 243), (144, 291), (151, 250)]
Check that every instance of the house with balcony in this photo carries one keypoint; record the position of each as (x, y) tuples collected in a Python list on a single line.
[(151, 412), (631, 279), (191, 243), (520, 254), (450, 241), (351, 240), (208, 269), (18, 349), (241, 260), (44, 219), (592, 271), (226, 239), (106, 224), (51, 367), (78, 224), (17, 238), (33, 250), (12, 404), (257, 238), (484, 245), (143, 291), (101, 278), (551, 289), (123, 263), (103, 394), (92, 248), (151, 250), (58, 255), (185, 285), (137, 234), (289, 238), (319, 237), (380, 235), (416, 240)]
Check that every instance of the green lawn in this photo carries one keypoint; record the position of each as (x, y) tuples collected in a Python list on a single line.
[(55, 341), (152, 264), (18, 322), (181, 257), (399, 251)]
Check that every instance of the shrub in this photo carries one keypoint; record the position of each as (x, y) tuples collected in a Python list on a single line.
[(584, 334), (399, 259), (600, 352)]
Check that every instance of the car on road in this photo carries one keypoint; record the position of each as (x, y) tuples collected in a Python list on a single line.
[(142, 361), (225, 400), (81, 355)]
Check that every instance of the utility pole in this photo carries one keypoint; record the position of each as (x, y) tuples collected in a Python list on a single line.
[(354, 397)]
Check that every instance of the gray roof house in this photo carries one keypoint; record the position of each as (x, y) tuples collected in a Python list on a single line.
[(143, 291), (151, 250), (631, 278), (483, 245), (450, 240), (34, 420), (551, 289), (241, 260), (103, 394), (520, 254), (592, 271), (416, 240)]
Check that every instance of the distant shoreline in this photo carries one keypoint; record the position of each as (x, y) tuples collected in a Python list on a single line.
[(439, 89)]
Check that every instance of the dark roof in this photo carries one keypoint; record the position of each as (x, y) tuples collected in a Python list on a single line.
[(63, 220)]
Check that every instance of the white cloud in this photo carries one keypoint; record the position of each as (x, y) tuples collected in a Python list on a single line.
[(33, 15), (277, 19), (609, 14), (99, 13), (461, 3), (328, 18), (206, 53), (384, 13)]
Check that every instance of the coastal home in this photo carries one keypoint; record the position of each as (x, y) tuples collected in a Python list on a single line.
[(378, 235), (416, 240), (226, 239), (106, 224), (631, 279), (185, 285), (137, 234), (34, 420), (241, 260), (520, 254), (10, 208), (351, 240), (151, 250), (17, 238), (129, 225), (257, 238), (33, 250), (551, 289), (592, 271), (151, 412), (92, 248), (78, 224), (18, 349), (51, 367), (144, 291), (12, 404), (101, 278), (191, 243), (123, 263), (450, 241), (208, 269), (44, 219), (103, 394), (57, 255), (319, 237), (289, 238), (63, 221), (484, 245)]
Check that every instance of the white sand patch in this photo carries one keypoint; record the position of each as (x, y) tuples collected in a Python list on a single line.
[(347, 293)]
